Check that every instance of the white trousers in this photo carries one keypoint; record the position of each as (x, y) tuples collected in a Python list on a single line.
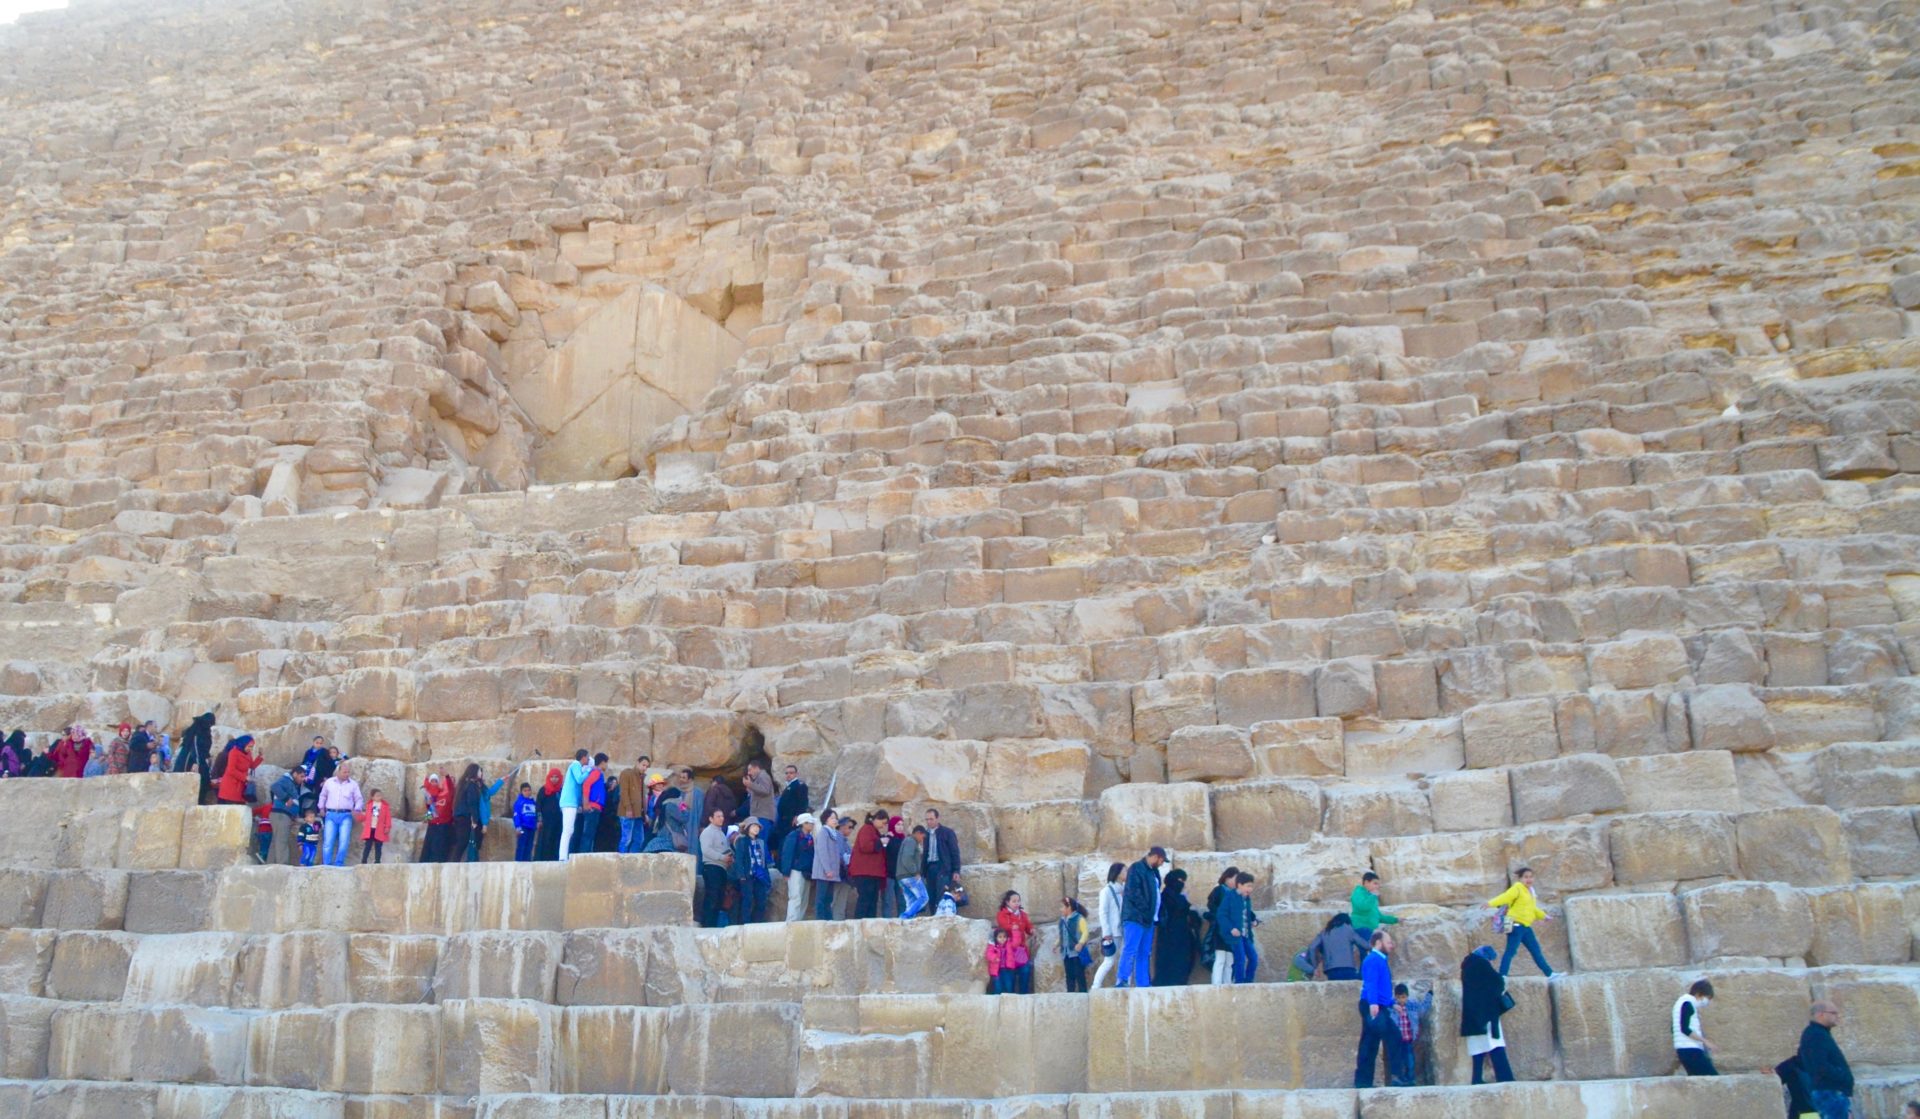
[(796, 896), (566, 832)]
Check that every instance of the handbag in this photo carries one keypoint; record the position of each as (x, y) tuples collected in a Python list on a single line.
[(1506, 1002), (1106, 946), (1498, 922)]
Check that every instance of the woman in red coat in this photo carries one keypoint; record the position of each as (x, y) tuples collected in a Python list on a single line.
[(242, 757), (868, 867), (70, 754), (439, 792)]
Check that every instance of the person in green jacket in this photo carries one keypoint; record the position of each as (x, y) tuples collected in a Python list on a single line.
[(1366, 906)]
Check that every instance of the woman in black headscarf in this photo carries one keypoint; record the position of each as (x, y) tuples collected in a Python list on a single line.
[(196, 752), (1481, 1006), (1176, 938)]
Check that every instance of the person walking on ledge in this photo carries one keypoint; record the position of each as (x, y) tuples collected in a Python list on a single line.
[(1690, 1042), (1139, 912), (1523, 911)]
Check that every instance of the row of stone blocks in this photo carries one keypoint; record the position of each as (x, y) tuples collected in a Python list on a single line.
[(1738, 925), (913, 1046), (1664, 1098)]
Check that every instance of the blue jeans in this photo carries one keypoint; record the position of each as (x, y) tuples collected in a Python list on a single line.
[(335, 837), (1246, 959), (586, 832), (523, 845), (916, 894), (308, 852), (1136, 956), (1519, 935), (823, 899), (1376, 1030), (633, 833), (1832, 1105)]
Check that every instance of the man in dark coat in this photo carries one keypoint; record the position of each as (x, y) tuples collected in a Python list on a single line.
[(196, 752), (794, 800), (1828, 1077), (942, 862), (140, 749), (1139, 912)]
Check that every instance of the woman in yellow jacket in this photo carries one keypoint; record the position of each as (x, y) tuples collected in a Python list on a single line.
[(1522, 912)]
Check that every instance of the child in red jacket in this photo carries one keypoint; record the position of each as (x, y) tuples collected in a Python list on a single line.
[(376, 821), (1000, 964), (1013, 920)]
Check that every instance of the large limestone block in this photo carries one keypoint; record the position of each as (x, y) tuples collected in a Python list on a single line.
[(1725, 1095), (1672, 847), (26, 1029), (1034, 769), (608, 968), (1470, 800), (1883, 842), (1044, 828), (1459, 869), (149, 839), (618, 1049), (1576, 785), (1299, 747), (1618, 1023), (1190, 1038), (1864, 924), (383, 693), (1566, 858), (1209, 754), (91, 966), (1136, 817), (292, 969), (493, 964), (1162, 706), (194, 1045), (1528, 1029), (1052, 1027), (193, 968), (1881, 1025), (1259, 695), (385, 968), (1801, 846), (86, 899), (23, 896), (1747, 919), (495, 1045), (1609, 931), (866, 1067), (933, 769), (384, 1049), (1509, 733), (1869, 774), (1700, 780), (296, 1048), (621, 891), (748, 1049), (25, 956), (1729, 717), (167, 901), (215, 836), (1359, 811), (1265, 813)]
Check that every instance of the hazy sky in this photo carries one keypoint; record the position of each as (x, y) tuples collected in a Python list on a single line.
[(11, 9)]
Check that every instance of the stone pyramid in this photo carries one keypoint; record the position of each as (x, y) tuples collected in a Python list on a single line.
[(1427, 436)]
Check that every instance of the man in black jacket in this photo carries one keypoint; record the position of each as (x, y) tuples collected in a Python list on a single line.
[(792, 804), (1824, 1066), (1139, 912), (943, 857)]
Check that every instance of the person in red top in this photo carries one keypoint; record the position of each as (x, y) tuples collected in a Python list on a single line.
[(1013, 918), (868, 867), (70, 754), (439, 792), (377, 827), (241, 758)]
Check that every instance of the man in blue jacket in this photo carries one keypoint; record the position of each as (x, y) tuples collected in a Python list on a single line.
[(1376, 1004), (1139, 912)]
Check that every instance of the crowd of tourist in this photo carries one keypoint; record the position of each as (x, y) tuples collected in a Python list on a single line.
[(874, 865)]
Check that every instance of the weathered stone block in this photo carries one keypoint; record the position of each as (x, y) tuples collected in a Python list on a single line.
[(1623, 931), (1265, 813), (1136, 817), (1571, 786), (1471, 800), (1209, 754), (1804, 846), (1509, 733), (1672, 847), (1700, 780), (1747, 919)]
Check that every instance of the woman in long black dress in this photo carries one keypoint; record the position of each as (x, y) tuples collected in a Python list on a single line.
[(1176, 938), (546, 841)]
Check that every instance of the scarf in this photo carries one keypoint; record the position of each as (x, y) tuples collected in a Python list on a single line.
[(553, 781)]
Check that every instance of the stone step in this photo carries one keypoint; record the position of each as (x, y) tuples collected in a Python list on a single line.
[(1730, 1095)]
